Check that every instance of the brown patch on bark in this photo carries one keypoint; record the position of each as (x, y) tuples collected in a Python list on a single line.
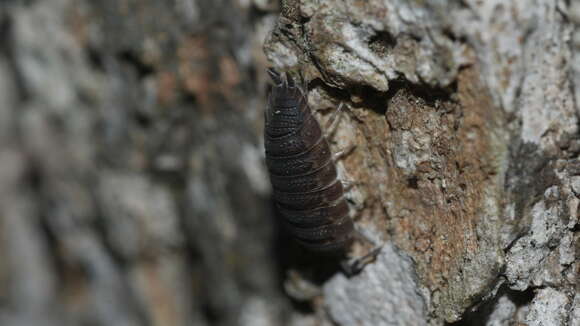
[(194, 57), (162, 307), (77, 21), (206, 73), (426, 167), (167, 87)]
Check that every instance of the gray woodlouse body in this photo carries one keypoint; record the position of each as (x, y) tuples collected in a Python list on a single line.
[(307, 192)]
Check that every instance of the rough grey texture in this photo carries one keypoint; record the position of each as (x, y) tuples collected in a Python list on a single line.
[(575, 310), (549, 307), (503, 313), (573, 14), (385, 293), (528, 261)]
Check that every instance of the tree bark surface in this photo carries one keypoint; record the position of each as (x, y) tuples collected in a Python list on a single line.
[(133, 189)]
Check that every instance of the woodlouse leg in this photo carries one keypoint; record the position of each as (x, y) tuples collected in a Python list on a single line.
[(343, 153), (333, 121), (354, 267), (349, 184)]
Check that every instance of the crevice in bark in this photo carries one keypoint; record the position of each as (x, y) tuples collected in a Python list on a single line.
[(530, 173), (377, 101), (480, 314)]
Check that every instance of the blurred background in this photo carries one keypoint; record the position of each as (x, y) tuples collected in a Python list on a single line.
[(132, 183), (133, 189)]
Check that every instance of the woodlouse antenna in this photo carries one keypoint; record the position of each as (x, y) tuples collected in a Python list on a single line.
[(275, 76)]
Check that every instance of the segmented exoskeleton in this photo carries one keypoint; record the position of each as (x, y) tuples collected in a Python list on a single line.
[(307, 192)]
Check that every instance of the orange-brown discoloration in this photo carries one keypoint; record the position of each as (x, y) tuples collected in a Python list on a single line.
[(161, 302), (426, 168), (166, 87), (441, 212), (206, 75), (78, 24), (194, 68)]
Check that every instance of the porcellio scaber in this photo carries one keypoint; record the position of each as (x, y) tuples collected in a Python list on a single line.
[(307, 192)]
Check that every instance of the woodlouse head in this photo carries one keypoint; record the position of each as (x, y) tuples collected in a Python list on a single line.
[(275, 76), (287, 106), (281, 80)]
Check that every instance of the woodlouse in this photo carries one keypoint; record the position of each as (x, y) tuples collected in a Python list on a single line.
[(306, 189)]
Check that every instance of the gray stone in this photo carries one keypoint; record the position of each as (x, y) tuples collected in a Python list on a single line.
[(386, 292)]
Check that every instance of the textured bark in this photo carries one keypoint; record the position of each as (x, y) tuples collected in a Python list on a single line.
[(133, 189), (466, 127)]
